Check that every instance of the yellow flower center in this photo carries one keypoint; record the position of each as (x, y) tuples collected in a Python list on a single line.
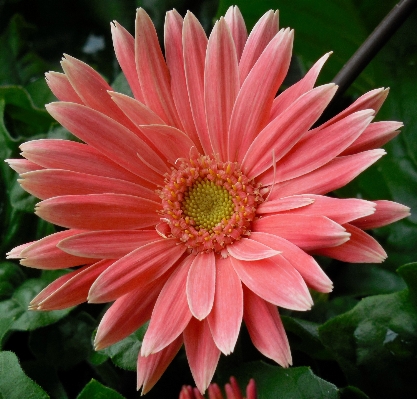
[(207, 204)]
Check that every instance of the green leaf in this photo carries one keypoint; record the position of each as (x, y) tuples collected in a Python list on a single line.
[(331, 26), (28, 119), (274, 382), (16, 308), (304, 336), (375, 343), (323, 311), (352, 393), (14, 384), (46, 376), (20, 199), (124, 354), (98, 391), (64, 344)]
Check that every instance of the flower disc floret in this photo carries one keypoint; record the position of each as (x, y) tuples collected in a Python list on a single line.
[(209, 204)]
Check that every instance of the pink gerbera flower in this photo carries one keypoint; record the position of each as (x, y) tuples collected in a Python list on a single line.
[(198, 202)]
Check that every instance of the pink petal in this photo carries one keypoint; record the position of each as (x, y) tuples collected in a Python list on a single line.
[(361, 248), (253, 103), (136, 270), (136, 111), (248, 249), (44, 253), (290, 95), (49, 183), (262, 33), (335, 174), (175, 61), (284, 204), (151, 368), (375, 135), (16, 251), (232, 389), (280, 135), (201, 284), (305, 264), (266, 329), (127, 314), (77, 157), (236, 23), (169, 317), (92, 89), (70, 289), (194, 42), (202, 353), (62, 88), (52, 287), (107, 244), (221, 85), (152, 71), (22, 165), (386, 212), (306, 231), (124, 47), (251, 392), (371, 100), (171, 143), (276, 281), (226, 317), (339, 210), (111, 139), (315, 151), (99, 211)]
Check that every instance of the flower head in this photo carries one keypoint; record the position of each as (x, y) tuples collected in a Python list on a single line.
[(198, 203)]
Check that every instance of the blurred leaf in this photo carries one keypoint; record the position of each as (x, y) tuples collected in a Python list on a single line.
[(17, 63), (98, 391), (121, 85), (5, 324), (376, 342), (64, 344), (16, 308), (39, 92), (363, 280), (335, 26), (14, 384), (124, 354), (274, 382), (11, 276)]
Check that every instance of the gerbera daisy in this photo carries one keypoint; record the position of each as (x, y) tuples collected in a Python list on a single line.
[(199, 202)]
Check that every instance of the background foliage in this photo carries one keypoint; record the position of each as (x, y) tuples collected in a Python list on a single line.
[(360, 341)]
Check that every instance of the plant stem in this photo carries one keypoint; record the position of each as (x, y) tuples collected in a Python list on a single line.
[(370, 47)]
